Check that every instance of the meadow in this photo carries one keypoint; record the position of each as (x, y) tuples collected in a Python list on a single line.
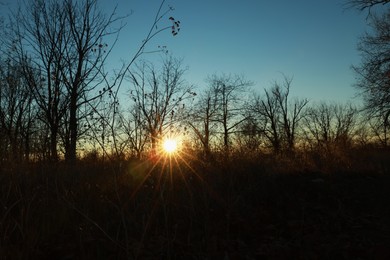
[(259, 206)]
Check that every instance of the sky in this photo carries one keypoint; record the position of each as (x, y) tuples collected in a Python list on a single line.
[(314, 42)]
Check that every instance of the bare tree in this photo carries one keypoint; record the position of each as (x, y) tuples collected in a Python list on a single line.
[(101, 128), (84, 58), (113, 89), (330, 125), (291, 112), (365, 4), (63, 47), (228, 90), (267, 111), (278, 116), (373, 74), (64, 40), (380, 127), (202, 119), (160, 95), (135, 130), (37, 45), (17, 112), (250, 136)]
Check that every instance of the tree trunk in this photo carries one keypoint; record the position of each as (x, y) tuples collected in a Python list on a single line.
[(53, 143), (70, 155), (206, 144)]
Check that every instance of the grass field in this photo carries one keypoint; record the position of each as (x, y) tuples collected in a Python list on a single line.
[(258, 208)]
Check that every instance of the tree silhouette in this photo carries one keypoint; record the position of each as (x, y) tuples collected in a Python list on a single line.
[(228, 91), (374, 71), (330, 125), (61, 45), (202, 120), (278, 117), (366, 4), (159, 94), (17, 113)]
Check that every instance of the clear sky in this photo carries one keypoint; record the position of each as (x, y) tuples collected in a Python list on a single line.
[(312, 41)]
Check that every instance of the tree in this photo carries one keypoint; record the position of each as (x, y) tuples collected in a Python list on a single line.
[(135, 131), (64, 42), (373, 75), (17, 113), (291, 113), (330, 125), (63, 47), (116, 118), (37, 43), (266, 110), (202, 120), (84, 59), (379, 127), (159, 95), (227, 90), (278, 116), (250, 137), (101, 126), (366, 4)]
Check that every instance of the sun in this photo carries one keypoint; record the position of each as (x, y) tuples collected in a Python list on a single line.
[(170, 146)]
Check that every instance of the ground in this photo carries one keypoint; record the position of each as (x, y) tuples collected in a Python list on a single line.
[(241, 209)]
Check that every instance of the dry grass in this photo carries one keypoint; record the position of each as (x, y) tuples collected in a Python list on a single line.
[(243, 208)]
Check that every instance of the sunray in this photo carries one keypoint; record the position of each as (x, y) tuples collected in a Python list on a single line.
[(147, 175)]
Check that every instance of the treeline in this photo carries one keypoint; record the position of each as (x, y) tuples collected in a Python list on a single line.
[(57, 100), (227, 116)]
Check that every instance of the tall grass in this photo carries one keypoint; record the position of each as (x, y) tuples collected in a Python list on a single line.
[(263, 206)]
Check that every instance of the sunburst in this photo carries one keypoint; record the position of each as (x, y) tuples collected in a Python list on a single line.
[(169, 164), (170, 146)]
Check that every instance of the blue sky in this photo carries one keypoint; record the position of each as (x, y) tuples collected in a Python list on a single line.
[(312, 41)]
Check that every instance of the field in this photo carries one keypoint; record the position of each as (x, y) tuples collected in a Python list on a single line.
[(236, 208)]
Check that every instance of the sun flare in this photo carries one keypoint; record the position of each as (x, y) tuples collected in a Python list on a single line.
[(170, 146)]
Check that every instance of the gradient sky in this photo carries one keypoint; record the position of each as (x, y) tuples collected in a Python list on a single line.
[(312, 41)]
